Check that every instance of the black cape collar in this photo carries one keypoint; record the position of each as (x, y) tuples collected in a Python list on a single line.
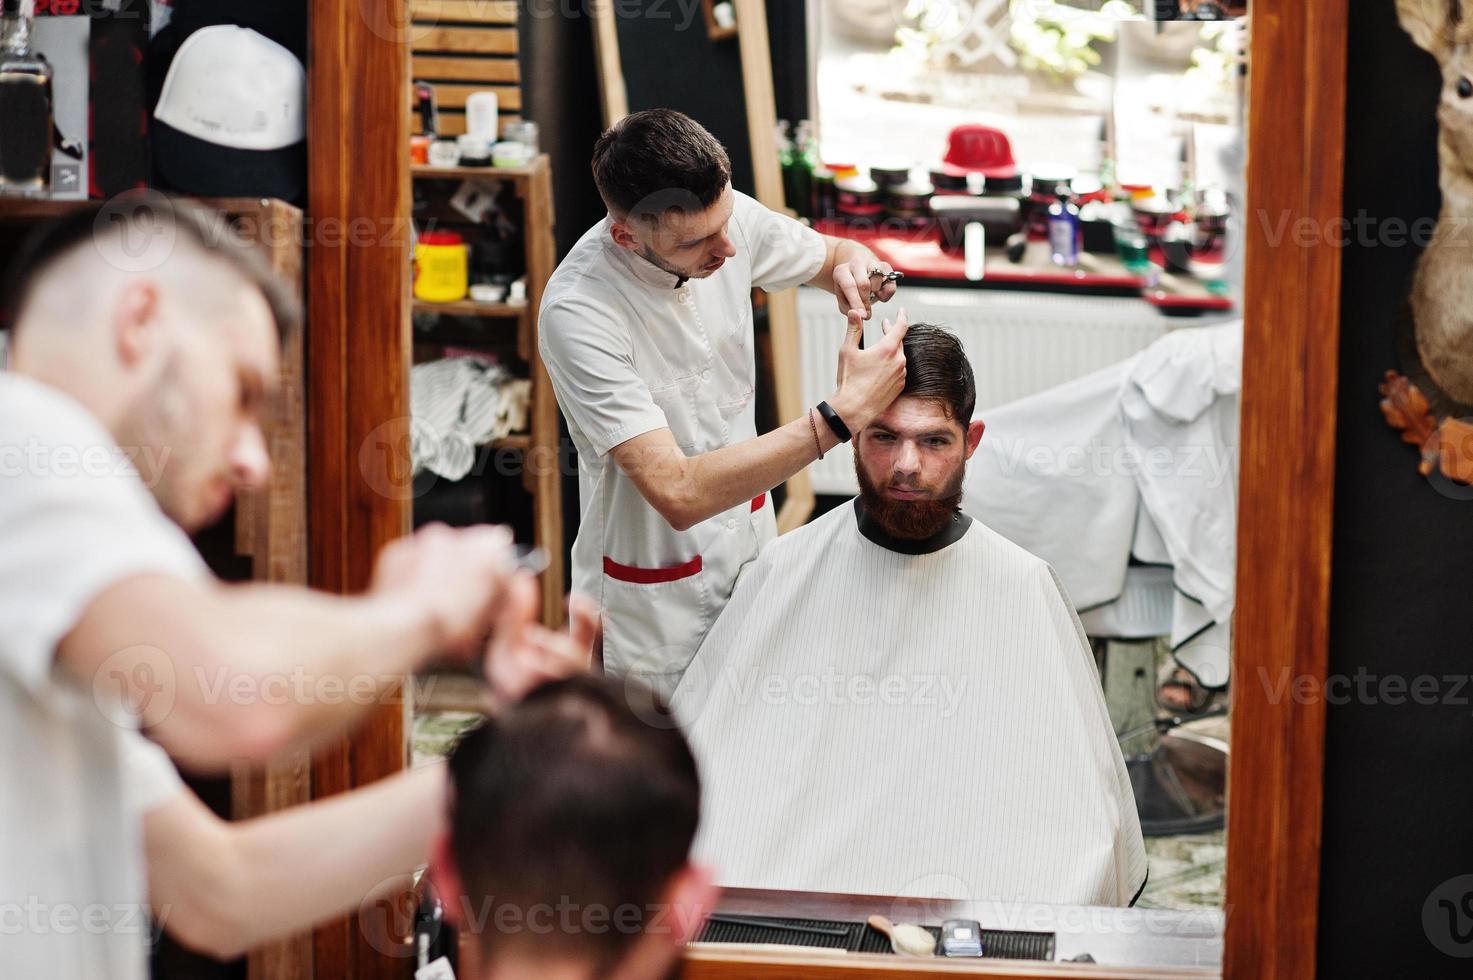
[(948, 535)]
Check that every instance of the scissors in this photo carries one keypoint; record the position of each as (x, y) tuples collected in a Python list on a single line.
[(885, 277)]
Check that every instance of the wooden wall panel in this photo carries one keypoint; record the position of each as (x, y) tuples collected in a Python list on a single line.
[(462, 46), (1290, 363), (358, 351)]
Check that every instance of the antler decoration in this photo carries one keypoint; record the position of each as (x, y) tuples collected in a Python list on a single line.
[(1405, 408), (1447, 446)]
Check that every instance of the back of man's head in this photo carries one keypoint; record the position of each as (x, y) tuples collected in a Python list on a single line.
[(75, 262), (936, 367), (652, 161), (572, 815)]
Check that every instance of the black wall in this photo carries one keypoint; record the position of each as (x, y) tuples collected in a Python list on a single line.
[(1399, 777)]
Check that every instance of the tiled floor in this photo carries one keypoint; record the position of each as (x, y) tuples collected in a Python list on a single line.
[(436, 731), (1187, 871)]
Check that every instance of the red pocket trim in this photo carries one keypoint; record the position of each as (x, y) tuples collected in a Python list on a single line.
[(651, 576), (758, 501)]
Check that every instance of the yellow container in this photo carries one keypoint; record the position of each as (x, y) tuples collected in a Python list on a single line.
[(441, 267)]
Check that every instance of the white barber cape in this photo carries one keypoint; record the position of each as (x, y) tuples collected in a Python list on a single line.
[(868, 721)]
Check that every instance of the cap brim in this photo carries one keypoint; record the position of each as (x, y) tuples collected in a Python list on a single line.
[(195, 166)]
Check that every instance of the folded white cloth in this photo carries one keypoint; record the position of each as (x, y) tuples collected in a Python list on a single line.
[(457, 404), (1136, 460)]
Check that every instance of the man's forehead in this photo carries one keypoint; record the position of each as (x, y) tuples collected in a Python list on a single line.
[(909, 413), (252, 336), (692, 226)]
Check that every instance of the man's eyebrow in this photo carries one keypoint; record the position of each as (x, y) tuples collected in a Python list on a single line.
[(703, 238), (925, 434), (696, 241), (259, 384)]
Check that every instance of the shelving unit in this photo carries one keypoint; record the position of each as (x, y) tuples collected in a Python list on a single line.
[(539, 446)]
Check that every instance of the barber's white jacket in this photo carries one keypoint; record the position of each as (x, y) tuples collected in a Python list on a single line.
[(631, 349)]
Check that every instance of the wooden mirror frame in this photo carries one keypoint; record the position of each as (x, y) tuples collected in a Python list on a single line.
[(1286, 481), (358, 370)]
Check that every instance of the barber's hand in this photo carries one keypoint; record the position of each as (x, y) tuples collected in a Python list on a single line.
[(455, 577), (523, 653), (870, 379), (853, 284)]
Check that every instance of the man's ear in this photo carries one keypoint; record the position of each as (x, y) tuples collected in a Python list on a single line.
[(445, 877), (691, 897), (135, 321), (622, 234), (974, 436)]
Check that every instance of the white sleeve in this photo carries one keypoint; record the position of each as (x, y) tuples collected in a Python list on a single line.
[(591, 364), (149, 778), (75, 519), (783, 252)]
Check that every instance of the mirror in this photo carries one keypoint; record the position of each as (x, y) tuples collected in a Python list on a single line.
[(843, 754)]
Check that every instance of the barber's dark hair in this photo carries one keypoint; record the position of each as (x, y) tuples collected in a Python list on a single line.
[(657, 160), (936, 367), (571, 797), (146, 215)]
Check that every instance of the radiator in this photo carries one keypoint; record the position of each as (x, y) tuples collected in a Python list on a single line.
[(1019, 343)]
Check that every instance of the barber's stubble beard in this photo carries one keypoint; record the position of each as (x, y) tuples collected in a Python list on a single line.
[(162, 424), (910, 520), (648, 254)]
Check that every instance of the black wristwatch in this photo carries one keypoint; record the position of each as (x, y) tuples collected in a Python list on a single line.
[(835, 423)]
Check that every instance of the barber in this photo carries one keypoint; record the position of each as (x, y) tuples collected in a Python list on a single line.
[(146, 344), (646, 332)]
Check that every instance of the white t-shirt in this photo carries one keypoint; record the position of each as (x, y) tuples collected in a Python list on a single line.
[(75, 519), (631, 348)]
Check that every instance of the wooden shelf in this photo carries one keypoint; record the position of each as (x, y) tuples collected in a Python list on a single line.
[(446, 691), (423, 172), (16, 209), (470, 307), (533, 185), (519, 440)]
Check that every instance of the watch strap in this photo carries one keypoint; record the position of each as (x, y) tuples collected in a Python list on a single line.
[(834, 422)]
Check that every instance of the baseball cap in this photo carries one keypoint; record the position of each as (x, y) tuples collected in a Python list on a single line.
[(231, 117)]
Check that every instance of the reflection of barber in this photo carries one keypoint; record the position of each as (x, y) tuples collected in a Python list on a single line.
[(646, 331), (146, 343)]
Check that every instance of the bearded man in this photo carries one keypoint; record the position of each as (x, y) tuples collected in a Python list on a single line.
[(899, 701)]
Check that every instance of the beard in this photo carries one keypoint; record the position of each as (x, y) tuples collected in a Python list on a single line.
[(159, 432), (910, 520), (648, 254)]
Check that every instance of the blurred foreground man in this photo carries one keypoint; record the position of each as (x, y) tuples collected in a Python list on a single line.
[(146, 341)]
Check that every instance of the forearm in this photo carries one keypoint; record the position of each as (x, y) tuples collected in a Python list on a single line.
[(318, 661), (691, 489), (226, 672), (224, 888), (358, 845)]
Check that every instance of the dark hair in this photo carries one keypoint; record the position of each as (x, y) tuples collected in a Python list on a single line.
[(571, 797), (146, 213), (936, 367), (653, 161)]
